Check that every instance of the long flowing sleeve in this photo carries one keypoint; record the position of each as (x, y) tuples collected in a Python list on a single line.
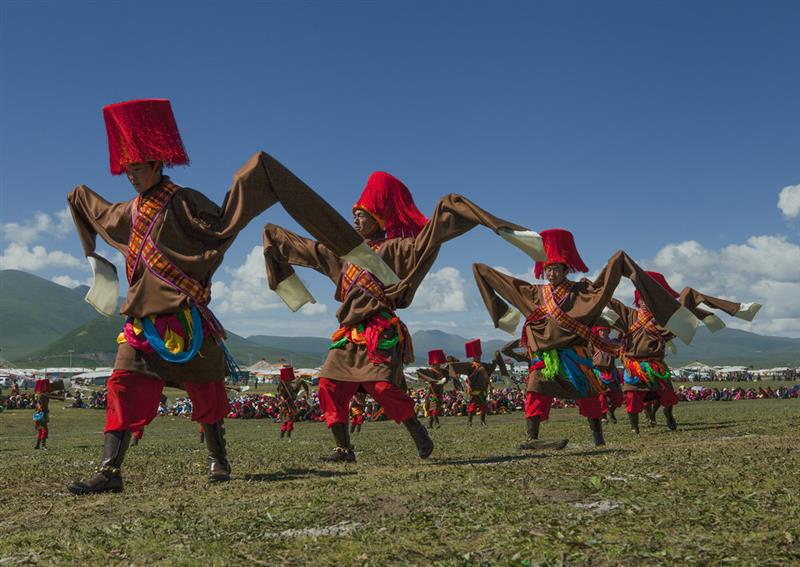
[(94, 216), (284, 249), (692, 299), (453, 216), (509, 349), (264, 181), (665, 309), (495, 286)]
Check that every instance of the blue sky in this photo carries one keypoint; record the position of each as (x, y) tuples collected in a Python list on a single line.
[(665, 129)]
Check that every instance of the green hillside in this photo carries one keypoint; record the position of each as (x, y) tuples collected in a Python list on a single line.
[(35, 311), (733, 347), (94, 344)]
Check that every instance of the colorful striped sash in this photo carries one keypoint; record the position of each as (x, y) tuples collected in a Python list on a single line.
[(142, 248), (645, 319), (553, 298)]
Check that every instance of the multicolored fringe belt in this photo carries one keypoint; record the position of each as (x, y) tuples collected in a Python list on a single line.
[(382, 331), (607, 377), (568, 363), (647, 371)]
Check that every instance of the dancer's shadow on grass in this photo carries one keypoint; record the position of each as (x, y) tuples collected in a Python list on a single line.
[(706, 426), (544, 454), (293, 474), (491, 460)]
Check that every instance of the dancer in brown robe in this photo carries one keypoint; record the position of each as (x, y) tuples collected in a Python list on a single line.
[(372, 344), (647, 374), (559, 317), (174, 239)]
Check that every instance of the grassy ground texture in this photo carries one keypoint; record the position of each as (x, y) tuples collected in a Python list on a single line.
[(723, 490)]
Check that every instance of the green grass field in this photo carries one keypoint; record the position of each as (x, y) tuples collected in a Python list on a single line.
[(722, 491)]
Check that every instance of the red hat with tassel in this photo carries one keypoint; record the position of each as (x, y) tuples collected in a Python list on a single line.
[(436, 356), (142, 130), (287, 374), (389, 201), (559, 245), (473, 348), (659, 277)]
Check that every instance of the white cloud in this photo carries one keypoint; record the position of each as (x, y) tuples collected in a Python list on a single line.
[(42, 225), (313, 309), (19, 256), (247, 291), (441, 292), (789, 201), (69, 282), (765, 269)]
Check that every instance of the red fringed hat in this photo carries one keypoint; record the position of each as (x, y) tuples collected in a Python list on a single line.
[(142, 130), (473, 348), (287, 374), (436, 356), (389, 201), (597, 328), (659, 277), (559, 245), (41, 386)]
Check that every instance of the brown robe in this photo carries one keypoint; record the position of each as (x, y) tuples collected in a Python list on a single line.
[(410, 258), (605, 363), (194, 233), (641, 344), (584, 302), (431, 376), (478, 378)]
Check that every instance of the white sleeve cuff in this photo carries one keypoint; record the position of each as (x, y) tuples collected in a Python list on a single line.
[(294, 293), (365, 257), (671, 348), (509, 321), (104, 293), (683, 324), (747, 311), (526, 240), (609, 316), (713, 323)]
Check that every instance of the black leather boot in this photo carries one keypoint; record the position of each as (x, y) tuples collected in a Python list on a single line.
[(671, 423), (469, 419), (483, 419), (352, 428), (611, 415), (38, 443), (109, 476), (219, 468), (430, 422), (634, 419), (597, 432), (420, 436), (533, 442), (343, 452)]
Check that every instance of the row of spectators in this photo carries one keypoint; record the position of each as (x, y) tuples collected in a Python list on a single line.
[(453, 403)]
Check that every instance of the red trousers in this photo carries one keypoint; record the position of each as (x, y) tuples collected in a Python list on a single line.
[(538, 405), (335, 396), (287, 425), (42, 433), (591, 407), (476, 405), (613, 399), (666, 394), (133, 398), (634, 401)]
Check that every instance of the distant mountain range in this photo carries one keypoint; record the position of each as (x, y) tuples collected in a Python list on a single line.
[(41, 322)]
